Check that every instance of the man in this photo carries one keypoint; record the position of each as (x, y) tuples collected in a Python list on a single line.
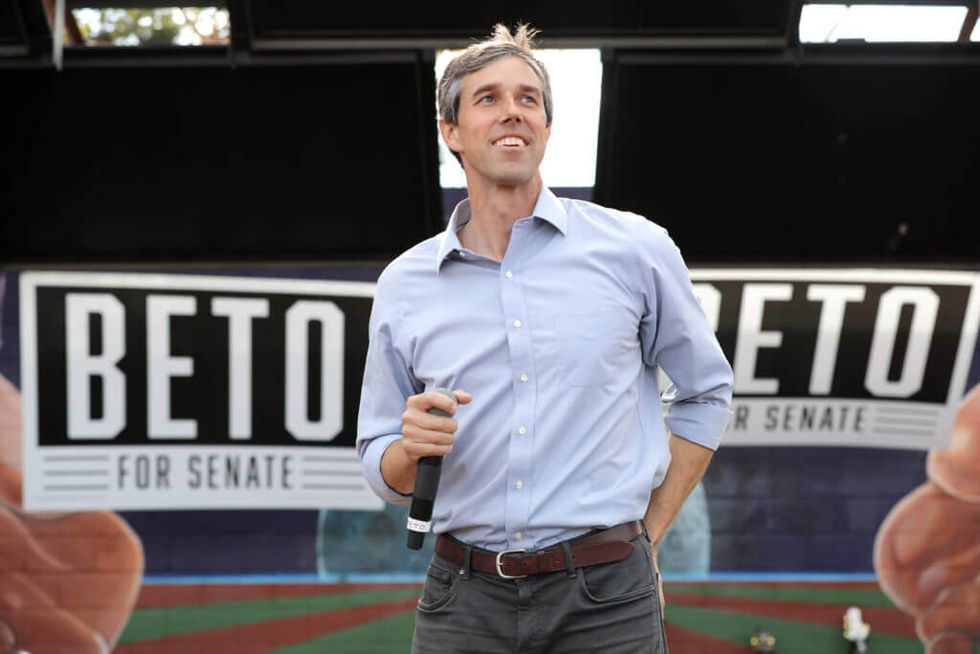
[(550, 318)]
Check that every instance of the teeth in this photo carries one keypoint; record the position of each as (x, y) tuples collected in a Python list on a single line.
[(510, 140)]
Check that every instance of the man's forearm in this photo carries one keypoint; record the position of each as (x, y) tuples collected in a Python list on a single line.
[(687, 465), (398, 469)]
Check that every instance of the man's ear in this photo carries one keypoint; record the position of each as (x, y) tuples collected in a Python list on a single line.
[(450, 133)]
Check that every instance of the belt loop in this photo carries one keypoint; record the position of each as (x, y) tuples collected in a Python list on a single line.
[(467, 555), (569, 562)]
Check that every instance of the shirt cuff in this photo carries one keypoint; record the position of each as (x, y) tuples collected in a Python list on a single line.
[(371, 455), (699, 423)]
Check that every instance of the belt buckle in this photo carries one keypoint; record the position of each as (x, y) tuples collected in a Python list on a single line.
[(500, 570)]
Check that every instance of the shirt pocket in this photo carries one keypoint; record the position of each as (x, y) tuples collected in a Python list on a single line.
[(591, 346)]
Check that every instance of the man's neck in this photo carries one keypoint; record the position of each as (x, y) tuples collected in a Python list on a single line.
[(493, 212)]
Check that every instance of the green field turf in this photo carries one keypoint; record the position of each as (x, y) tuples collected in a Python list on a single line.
[(387, 636), (788, 592), (725, 611), (792, 636), (146, 624)]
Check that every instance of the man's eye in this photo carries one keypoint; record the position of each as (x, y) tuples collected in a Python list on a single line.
[(486, 99), (530, 99)]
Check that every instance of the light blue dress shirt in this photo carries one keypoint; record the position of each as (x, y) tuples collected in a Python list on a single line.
[(559, 345)]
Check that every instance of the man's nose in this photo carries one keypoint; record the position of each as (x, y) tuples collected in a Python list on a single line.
[(512, 109)]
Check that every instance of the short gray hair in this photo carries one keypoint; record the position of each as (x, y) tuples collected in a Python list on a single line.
[(479, 55)]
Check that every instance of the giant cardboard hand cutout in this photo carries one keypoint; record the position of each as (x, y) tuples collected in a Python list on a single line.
[(927, 552), (68, 581)]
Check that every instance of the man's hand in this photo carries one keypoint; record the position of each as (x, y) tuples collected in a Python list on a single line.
[(659, 580), (423, 434)]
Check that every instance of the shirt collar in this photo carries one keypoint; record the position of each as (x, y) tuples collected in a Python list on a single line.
[(548, 208)]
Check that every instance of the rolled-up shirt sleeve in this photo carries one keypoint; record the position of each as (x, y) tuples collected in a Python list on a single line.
[(387, 384), (675, 334)]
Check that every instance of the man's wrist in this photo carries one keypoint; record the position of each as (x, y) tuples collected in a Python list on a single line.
[(655, 531), (397, 468)]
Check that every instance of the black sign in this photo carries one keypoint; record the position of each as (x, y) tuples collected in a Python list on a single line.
[(139, 366)]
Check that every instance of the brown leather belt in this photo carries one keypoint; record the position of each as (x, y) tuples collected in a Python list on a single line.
[(605, 546)]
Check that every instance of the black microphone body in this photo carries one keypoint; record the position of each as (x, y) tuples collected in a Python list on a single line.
[(426, 487)]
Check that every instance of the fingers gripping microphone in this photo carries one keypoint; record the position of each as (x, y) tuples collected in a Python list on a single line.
[(426, 485)]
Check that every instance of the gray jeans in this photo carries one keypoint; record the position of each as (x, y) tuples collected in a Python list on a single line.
[(612, 608)]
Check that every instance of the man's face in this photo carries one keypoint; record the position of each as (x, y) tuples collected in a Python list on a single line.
[(502, 128)]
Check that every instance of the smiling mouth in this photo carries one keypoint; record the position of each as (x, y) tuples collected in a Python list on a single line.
[(511, 142)]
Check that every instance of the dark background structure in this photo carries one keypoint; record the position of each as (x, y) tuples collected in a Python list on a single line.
[(320, 138)]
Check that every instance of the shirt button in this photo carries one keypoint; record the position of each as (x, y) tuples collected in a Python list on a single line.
[(519, 485), (518, 536), (524, 377), (509, 274), (522, 431), (462, 254), (517, 323)]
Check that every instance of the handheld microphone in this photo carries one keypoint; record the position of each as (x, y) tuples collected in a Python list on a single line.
[(426, 485)]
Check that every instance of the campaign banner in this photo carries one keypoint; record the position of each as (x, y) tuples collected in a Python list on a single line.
[(155, 391), (843, 357)]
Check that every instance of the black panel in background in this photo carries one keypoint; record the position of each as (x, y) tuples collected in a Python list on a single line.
[(801, 163), (30, 20), (297, 162), (10, 24), (315, 18)]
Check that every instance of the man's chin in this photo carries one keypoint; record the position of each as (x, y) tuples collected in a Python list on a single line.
[(513, 182), (514, 176)]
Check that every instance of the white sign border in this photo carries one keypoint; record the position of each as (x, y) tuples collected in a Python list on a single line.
[(30, 281)]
